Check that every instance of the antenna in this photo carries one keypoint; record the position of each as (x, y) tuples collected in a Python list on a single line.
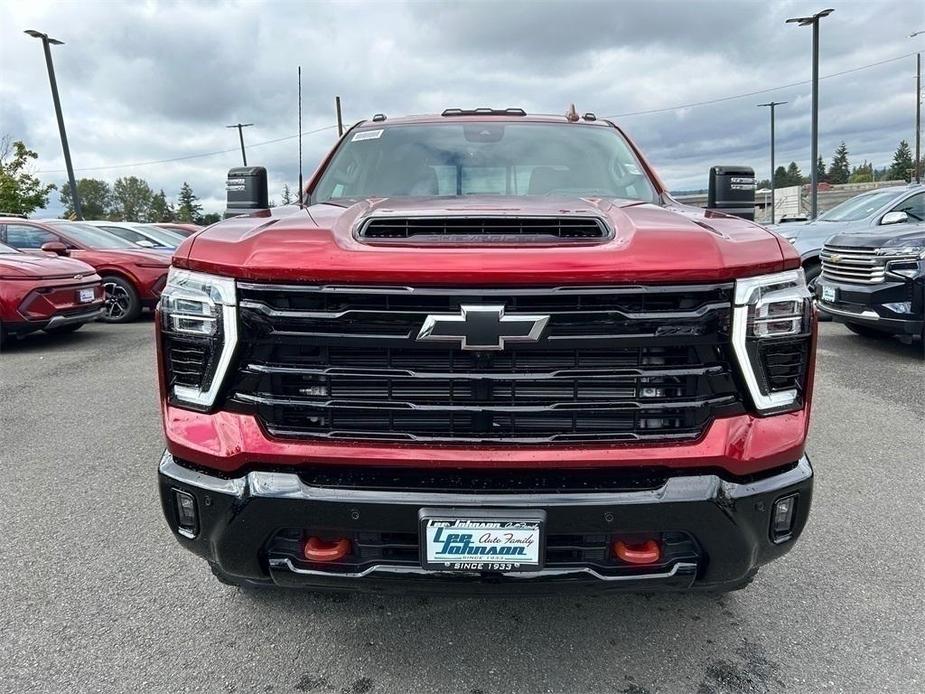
[(301, 203)]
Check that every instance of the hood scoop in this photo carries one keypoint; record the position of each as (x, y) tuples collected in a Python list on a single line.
[(484, 230)]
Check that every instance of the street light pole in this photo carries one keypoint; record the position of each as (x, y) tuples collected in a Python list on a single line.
[(772, 105), (47, 42), (918, 111), (240, 127), (814, 22)]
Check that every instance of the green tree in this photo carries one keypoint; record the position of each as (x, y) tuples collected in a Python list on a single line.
[(188, 207), (20, 191), (210, 218), (780, 177), (862, 174), (95, 198), (287, 195), (902, 162), (794, 175), (839, 169), (821, 176), (131, 199), (161, 210)]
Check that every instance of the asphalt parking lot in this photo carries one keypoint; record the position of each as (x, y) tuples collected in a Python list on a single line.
[(97, 596)]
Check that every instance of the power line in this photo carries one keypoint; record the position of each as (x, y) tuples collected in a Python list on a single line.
[(757, 91), (618, 115), (190, 156)]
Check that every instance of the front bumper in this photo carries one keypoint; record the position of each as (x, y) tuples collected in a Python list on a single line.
[(721, 530), (873, 305)]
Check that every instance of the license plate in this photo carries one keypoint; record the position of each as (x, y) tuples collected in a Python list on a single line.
[(477, 540), (85, 296), (828, 293)]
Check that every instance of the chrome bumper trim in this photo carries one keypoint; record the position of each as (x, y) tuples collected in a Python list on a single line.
[(865, 314)]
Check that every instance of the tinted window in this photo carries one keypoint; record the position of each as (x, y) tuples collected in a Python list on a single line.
[(131, 235), (91, 237), (913, 206), (484, 158), (27, 236), (6, 250)]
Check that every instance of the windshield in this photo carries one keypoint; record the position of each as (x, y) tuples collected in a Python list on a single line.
[(4, 249), (858, 207), (168, 238), (91, 237), (485, 158)]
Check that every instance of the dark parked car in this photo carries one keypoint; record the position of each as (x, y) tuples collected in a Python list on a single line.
[(862, 214), (47, 293), (874, 283), (133, 277)]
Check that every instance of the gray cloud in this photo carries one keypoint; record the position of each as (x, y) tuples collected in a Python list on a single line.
[(158, 80)]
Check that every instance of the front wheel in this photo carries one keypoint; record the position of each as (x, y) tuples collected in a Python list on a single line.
[(122, 302), (865, 331)]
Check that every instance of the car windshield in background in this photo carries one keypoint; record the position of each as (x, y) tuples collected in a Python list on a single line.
[(856, 208), (163, 236), (4, 249), (91, 236), (501, 158)]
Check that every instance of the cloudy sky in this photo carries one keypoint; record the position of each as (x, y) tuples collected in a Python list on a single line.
[(152, 80)]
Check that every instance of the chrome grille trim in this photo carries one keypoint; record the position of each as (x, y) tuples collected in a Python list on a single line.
[(856, 265)]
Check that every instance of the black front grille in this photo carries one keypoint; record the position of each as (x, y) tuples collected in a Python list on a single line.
[(783, 363), (484, 229), (611, 364), (187, 360)]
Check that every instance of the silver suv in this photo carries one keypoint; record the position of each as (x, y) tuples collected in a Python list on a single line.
[(862, 213)]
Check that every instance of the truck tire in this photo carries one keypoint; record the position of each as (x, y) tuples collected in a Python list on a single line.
[(864, 331), (122, 302)]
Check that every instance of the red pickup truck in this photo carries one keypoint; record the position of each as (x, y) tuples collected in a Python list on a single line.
[(487, 351)]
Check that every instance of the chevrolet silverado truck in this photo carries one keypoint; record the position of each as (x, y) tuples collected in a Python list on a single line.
[(486, 351)]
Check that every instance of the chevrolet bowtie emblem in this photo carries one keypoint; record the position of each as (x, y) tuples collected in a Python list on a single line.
[(482, 327)]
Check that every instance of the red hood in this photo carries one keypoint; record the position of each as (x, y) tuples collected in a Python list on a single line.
[(26, 266), (650, 244)]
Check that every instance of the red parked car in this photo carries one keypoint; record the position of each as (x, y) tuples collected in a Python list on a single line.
[(56, 295), (132, 277), (180, 228), (490, 353)]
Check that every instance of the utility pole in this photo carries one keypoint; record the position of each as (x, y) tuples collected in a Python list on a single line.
[(240, 127), (918, 111), (814, 22), (772, 105), (47, 42), (340, 121)]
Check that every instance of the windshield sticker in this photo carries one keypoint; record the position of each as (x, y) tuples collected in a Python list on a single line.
[(367, 135)]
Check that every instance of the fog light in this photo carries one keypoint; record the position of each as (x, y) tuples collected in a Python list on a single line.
[(782, 518), (186, 513)]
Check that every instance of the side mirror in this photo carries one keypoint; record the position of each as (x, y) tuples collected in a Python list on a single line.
[(732, 190), (894, 218), (246, 190), (55, 247)]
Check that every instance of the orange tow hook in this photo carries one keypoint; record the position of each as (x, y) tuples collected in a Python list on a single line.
[(316, 549), (647, 552)]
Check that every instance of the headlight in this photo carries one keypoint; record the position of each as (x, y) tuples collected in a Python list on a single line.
[(912, 251), (771, 335), (199, 329)]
